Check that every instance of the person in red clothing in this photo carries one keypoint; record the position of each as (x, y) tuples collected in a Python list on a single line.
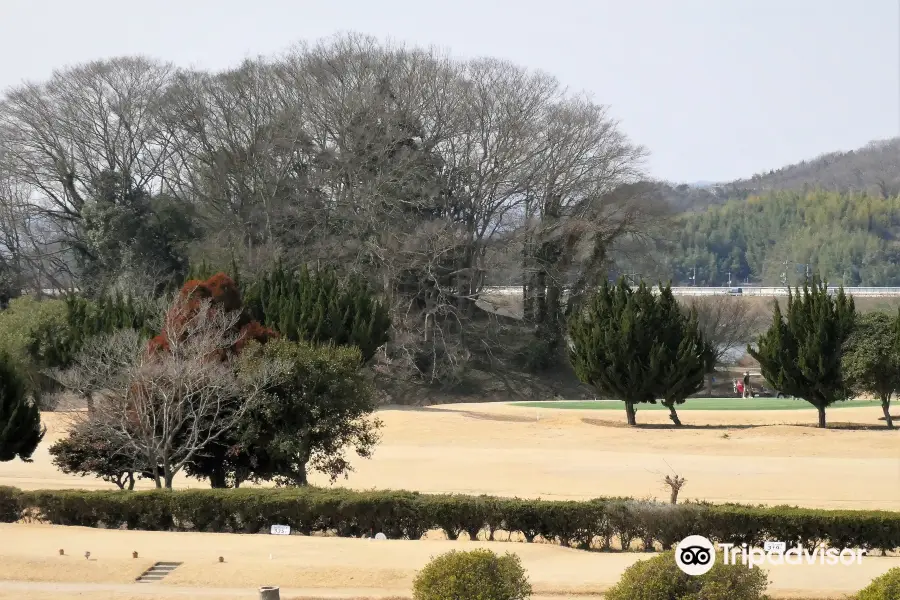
[(739, 386)]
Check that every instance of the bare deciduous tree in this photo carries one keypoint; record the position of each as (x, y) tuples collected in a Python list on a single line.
[(167, 406), (405, 165), (60, 136), (727, 322)]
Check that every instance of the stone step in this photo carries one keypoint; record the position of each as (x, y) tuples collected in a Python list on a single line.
[(158, 571)]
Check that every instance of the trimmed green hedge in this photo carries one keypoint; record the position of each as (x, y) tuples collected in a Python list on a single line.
[(399, 515)]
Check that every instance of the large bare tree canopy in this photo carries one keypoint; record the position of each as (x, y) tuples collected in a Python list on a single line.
[(431, 176)]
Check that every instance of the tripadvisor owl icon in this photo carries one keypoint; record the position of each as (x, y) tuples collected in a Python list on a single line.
[(695, 555)]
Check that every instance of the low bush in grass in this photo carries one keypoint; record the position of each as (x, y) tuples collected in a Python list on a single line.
[(592, 524), (659, 578), (886, 587), (475, 575)]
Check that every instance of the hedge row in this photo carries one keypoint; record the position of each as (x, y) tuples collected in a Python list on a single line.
[(409, 515)]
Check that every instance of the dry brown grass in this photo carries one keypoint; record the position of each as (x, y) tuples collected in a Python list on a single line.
[(71, 568), (512, 305), (766, 457), (156, 595), (332, 566), (576, 454)]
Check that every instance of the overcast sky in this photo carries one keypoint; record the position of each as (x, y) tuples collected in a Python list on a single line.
[(715, 89)]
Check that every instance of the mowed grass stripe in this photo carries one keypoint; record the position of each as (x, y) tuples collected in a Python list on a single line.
[(699, 404)]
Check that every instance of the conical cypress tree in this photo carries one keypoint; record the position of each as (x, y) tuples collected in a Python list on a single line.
[(613, 345), (685, 356), (320, 308), (800, 354), (20, 420)]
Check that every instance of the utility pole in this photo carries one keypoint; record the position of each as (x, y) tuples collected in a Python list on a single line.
[(693, 277), (729, 278)]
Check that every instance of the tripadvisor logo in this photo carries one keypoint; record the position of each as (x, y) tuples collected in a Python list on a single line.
[(696, 555)]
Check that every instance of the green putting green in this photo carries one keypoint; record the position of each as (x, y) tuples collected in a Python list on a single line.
[(698, 404)]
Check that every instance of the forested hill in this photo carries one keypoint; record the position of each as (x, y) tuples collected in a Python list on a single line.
[(874, 169), (849, 238)]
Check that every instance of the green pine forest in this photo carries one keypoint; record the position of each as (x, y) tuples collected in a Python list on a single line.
[(775, 238)]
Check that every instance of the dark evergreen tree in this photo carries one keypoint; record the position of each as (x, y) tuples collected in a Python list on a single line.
[(125, 230), (614, 345), (51, 347), (871, 360), (800, 354), (319, 308), (20, 419), (686, 356)]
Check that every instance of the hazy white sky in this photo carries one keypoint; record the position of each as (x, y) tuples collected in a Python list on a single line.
[(716, 89)]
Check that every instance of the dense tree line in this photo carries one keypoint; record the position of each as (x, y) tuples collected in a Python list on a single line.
[(781, 237), (637, 345), (218, 395), (426, 176)]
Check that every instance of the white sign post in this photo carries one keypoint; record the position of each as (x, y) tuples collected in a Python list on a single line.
[(280, 530)]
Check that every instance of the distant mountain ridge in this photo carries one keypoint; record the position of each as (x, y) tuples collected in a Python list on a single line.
[(874, 168)]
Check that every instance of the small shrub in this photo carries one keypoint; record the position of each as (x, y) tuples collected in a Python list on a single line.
[(886, 587), (659, 578), (474, 575)]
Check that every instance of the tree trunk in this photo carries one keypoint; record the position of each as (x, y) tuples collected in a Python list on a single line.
[(300, 477), (218, 477), (130, 480), (672, 414), (630, 413), (886, 409), (168, 476), (821, 410), (709, 385)]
